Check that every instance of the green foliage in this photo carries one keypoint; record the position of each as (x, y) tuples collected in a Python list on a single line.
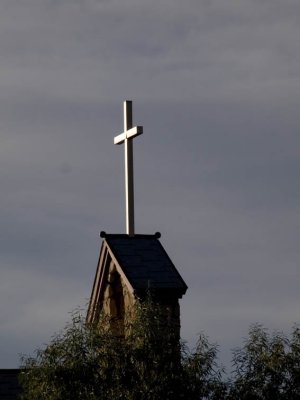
[(150, 363), (90, 363), (267, 366), (202, 374)]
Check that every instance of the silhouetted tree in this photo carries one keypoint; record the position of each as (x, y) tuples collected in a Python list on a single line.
[(90, 363), (267, 367)]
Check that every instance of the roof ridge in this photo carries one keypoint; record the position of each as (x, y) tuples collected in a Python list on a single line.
[(156, 235)]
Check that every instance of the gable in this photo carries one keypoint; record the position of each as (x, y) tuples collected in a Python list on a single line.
[(142, 264)]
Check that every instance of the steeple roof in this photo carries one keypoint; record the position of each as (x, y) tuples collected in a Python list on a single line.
[(142, 263), (145, 262)]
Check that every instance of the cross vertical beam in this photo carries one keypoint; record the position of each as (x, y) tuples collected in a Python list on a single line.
[(129, 188), (126, 138)]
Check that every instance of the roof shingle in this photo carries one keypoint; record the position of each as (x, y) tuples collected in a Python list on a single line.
[(145, 262)]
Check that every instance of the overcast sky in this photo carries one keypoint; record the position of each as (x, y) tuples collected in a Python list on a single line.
[(216, 86)]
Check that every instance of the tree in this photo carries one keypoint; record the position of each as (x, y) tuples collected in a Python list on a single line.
[(202, 374), (267, 366), (150, 363)]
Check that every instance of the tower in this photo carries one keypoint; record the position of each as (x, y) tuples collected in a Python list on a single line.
[(131, 265)]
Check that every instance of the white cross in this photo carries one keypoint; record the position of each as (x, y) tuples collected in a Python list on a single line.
[(126, 138)]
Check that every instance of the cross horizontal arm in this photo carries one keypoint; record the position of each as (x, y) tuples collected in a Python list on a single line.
[(120, 138), (131, 133), (136, 131)]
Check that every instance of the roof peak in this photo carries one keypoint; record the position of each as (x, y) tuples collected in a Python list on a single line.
[(103, 234)]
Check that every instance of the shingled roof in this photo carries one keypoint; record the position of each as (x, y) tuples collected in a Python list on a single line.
[(145, 262), (142, 262)]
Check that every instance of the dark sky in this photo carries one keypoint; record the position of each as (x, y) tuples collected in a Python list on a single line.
[(216, 86)]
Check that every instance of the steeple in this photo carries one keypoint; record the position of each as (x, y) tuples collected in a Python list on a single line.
[(130, 265)]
